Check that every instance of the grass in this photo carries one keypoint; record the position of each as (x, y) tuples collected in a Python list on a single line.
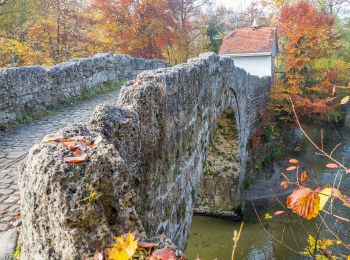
[(87, 94)]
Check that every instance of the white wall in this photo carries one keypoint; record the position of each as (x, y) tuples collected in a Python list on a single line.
[(259, 65)]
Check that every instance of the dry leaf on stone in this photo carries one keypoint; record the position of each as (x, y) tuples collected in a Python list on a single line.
[(76, 159), (163, 254), (53, 138)]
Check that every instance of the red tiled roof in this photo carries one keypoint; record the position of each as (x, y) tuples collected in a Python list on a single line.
[(249, 40)]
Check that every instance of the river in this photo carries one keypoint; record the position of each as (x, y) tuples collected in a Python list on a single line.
[(211, 238)]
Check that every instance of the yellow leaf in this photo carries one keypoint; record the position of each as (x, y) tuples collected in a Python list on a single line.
[(123, 249), (345, 100), (268, 216), (324, 195)]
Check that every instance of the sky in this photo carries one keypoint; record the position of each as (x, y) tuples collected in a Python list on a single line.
[(236, 4)]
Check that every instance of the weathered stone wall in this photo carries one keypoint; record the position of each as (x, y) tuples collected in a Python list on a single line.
[(219, 186), (34, 88), (150, 162)]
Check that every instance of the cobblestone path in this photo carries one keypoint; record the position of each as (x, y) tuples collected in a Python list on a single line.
[(15, 144)]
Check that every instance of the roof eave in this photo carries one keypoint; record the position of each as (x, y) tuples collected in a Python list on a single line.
[(247, 54)]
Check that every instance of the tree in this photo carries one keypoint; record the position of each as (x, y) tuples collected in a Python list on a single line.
[(139, 28)]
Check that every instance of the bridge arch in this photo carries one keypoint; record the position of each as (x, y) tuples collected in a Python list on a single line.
[(148, 166)]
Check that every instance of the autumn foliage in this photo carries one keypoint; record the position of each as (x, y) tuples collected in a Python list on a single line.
[(51, 31), (307, 37)]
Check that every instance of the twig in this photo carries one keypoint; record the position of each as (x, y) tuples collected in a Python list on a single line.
[(312, 142), (335, 148), (236, 239), (275, 239)]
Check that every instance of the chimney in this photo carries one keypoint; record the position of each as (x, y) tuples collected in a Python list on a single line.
[(255, 24)]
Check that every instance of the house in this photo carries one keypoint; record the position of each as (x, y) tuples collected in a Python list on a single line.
[(253, 49)]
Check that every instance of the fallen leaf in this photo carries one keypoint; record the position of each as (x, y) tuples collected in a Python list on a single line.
[(123, 249), (291, 168), (76, 159), (303, 177), (145, 244), (81, 145), (99, 255), (345, 100), (278, 212), (98, 140), (16, 221), (332, 166), (53, 138), (305, 202), (284, 184), (295, 161), (163, 254)]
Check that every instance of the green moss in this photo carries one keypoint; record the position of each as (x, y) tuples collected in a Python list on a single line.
[(246, 183), (193, 193), (270, 132), (87, 94), (24, 117), (226, 168), (161, 124), (271, 155)]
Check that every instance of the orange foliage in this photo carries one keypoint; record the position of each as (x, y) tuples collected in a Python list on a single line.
[(308, 36), (138, 28), (304, 202)]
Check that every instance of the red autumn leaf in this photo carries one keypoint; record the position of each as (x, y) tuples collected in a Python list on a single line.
[(284, 184), (145, 244), (303, 177), (332, 166), (76, 159), (53, 138), (16, 221), (278, 212), (291, 168), (163, 254), (305, 202), (295, 161)]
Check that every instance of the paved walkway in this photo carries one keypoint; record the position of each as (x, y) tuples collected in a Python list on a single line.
[(15, 144)]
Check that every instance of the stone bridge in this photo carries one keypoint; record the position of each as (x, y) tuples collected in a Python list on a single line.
[(148, 165)]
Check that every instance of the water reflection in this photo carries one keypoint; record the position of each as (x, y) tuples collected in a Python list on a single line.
[(211, 238)]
